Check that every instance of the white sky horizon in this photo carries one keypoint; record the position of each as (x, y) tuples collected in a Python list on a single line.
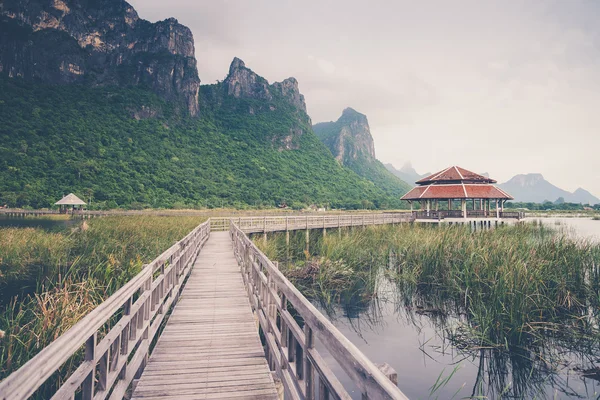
[(500, 87)]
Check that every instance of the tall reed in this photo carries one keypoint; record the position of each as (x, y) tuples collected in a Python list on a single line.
[(513, 283), (71, 272)]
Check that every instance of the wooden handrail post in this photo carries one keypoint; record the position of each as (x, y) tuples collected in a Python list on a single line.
[(87, 388), (309, 372)]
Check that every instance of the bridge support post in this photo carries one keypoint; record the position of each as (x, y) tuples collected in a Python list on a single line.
[(307, 240), (389, 372)]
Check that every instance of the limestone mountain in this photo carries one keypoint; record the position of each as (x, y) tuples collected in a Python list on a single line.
[(349, 138), (535, 189), (407, 173), (240, 151), (246, 93), (97, 42), (242, 82), (350, 141)]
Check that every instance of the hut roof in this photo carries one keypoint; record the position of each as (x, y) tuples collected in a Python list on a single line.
[(70, 200), (455, 174), (457, 191), (456, 183)]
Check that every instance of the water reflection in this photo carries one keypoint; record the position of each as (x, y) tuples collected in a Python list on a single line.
[(55, 223), (427, 340)]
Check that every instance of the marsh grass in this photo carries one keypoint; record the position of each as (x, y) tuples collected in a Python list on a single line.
[(528, 295), (59, 277)]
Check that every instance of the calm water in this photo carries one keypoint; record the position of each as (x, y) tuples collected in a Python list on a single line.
[(585, 228), (416, 346), (49, 224)]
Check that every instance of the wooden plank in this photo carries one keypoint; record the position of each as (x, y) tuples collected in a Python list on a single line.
[(210, 347)]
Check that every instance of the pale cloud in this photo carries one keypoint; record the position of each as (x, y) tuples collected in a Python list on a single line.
[(496, 86)]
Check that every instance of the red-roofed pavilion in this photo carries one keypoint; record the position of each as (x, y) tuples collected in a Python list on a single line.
[(453, 184)]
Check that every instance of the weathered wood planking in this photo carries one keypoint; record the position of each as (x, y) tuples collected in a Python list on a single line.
[(210, 348), (290, 347)]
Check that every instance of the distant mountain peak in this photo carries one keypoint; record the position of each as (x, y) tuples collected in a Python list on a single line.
[(533, 187), (349, 138), (237, 63), (407, 173), (407, 168)]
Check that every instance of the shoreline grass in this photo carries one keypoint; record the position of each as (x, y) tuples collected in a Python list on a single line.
[(71, 272), (527, 294)]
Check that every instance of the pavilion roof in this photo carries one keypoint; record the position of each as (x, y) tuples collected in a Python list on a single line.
[(455, 174), (70, 200), (457, 191)]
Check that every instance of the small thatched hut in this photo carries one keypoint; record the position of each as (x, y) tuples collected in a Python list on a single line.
[(70, 202)]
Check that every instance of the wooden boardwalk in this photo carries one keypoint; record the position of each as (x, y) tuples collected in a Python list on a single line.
[(210, 348)]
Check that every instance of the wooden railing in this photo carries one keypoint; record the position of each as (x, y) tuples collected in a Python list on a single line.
[(115, 353), (441, 214), (290, 345), (284, 223), (512, 214)]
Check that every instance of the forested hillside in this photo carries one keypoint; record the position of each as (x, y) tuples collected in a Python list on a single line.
[(99, 102), (127, 147)]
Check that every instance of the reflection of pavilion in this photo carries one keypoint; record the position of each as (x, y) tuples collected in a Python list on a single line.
[(478, 197)]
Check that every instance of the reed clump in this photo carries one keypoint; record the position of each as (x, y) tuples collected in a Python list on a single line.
[(515, 285), (59, 277)]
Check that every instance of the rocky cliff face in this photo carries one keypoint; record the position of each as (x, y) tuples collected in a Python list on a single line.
[(258, 97), (349, 138), (242, 82), (97, 42)]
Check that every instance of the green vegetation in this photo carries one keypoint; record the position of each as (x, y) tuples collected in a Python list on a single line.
[(64, 275), (354, 154), (549, 206), (242, 152), (522, 300), (513, 283)]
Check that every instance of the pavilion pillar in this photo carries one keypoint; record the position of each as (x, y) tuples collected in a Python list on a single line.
[(463, 206), (449, 204), (437, 205), (411, 206), (428, 206), (497, 210)]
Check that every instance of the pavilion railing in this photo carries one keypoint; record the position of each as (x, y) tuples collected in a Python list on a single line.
[(441, 214), (113, 353)]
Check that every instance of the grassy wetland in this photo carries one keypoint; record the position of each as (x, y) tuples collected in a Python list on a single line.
[(50, 279), (519, 304)]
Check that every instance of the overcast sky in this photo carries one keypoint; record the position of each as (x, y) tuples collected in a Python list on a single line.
[(504, 87)]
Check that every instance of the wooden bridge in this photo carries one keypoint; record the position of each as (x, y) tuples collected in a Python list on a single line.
[(210, 318)]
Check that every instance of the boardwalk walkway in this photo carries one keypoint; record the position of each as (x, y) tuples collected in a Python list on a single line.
[(210, 348)]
